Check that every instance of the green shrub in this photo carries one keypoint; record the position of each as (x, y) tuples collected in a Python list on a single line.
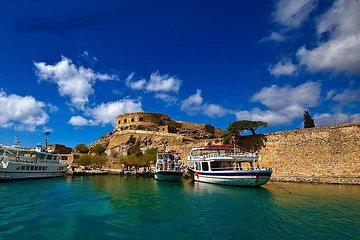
[(98, 149), (82, 148)]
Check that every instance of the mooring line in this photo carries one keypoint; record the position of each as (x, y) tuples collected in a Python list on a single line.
[(281, 187)]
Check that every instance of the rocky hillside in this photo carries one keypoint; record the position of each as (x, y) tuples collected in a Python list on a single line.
[(118, 142)]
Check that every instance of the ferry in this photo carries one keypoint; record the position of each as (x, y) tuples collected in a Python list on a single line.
[(168, 166), (18, 163), (227, 165)]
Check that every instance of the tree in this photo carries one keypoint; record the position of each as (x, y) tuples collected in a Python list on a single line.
[(85, 160), (98, 149), (131, 140), (135, 150), (82, 148), (148, 157), (308, 121), (235, 128), (98, 160)]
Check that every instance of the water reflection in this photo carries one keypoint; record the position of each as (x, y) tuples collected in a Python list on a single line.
[(122, 207)]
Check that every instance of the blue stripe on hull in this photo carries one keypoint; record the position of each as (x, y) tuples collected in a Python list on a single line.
[(170, 176), (235, 173), (27, 178), (245, 182)]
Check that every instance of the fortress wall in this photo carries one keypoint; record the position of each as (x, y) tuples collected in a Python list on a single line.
[(141, 119), (194, 126), (326, 154)]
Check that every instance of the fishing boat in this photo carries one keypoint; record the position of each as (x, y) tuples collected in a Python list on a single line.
[(226, 164), (18, 163), (168, 166)]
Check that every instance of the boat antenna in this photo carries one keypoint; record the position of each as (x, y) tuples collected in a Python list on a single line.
[(17, 142), (47, 133)]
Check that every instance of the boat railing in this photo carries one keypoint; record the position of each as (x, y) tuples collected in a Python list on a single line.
[(238, 169), (214, 155)]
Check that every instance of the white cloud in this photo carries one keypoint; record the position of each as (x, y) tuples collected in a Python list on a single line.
[(293, 13), (136, 85), (274, 36), (194, 105), (163, 83), (164, 86), (21, 113), (285, 67), (284, 103), (274, 97), (215, 110), (338, 55), (339, 48), (106, 113), (347, 96), (271, 117), (326, 119), (74, 82), (78, 121)]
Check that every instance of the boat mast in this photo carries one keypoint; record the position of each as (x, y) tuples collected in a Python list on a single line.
[(17, 142)]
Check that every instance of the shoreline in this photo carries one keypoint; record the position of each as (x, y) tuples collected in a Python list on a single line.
[(291, 179)]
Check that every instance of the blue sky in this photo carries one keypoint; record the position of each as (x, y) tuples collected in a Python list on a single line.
[(69, 67)]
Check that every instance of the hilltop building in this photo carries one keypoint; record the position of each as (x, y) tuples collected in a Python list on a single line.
[(159, 122)]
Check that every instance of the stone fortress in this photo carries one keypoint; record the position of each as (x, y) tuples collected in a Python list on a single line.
[(162, 123)]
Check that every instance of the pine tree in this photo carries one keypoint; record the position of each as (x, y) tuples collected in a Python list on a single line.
[(308, 121)]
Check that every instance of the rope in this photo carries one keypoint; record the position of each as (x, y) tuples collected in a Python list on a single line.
[(281, 187)]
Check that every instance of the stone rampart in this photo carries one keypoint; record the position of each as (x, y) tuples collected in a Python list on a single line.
[(326, 154), (141, 119)]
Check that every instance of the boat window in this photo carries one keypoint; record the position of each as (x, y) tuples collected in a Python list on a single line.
[(205, 166), (245, 166), (18, 168), (1, 151), (33, 156), (32, 167), (22, 167), (197, 166), (42, 156), (215, 166), (27, 168), (36, 167), (49, 157)]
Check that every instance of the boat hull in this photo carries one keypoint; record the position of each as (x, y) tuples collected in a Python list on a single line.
[(11, 171), (252, 178), (169, 176), (9, 176)]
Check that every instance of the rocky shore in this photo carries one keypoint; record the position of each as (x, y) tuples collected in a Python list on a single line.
[(81, 172)]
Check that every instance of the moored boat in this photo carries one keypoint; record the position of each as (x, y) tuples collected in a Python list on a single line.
[(225, 164), (168, 166), (18, 163)]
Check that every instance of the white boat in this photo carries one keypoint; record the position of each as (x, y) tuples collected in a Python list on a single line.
[(20, 163), (225, 164), (168, 166)]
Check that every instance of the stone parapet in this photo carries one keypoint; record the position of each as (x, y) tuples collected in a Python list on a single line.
[(326, 154)]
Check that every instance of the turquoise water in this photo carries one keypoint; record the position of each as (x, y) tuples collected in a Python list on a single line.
[(113, 207)]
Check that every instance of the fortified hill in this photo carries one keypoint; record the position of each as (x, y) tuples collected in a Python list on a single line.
[(157, 130)]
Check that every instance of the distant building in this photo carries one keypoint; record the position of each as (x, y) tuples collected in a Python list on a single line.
[(59, 149), (160, 123)]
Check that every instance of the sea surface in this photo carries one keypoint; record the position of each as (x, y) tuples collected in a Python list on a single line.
[(115, 207)]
